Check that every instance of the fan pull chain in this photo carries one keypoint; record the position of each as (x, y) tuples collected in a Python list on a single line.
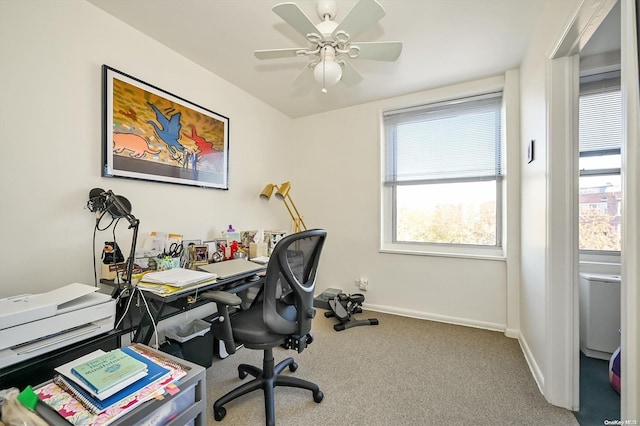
[(324, 73)]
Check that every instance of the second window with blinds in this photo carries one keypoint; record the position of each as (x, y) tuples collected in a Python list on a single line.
[(443, 176), (600, 140)]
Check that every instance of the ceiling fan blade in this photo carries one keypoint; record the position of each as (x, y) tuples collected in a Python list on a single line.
[(379, 50), (350, 75), (294, 16), (279, 53), (364, 14), (305, 75)]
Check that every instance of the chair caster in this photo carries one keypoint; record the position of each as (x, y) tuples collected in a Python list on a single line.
[(293, 366), (318, 396), (219, 414), (242, 374)]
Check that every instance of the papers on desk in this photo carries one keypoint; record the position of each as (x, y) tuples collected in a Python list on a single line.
[(178, 277)]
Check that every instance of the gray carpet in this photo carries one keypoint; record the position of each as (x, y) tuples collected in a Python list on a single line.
[(404, 371)]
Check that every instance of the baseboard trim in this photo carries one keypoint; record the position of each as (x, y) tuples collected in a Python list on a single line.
[(436, 317), (531, 362), (512, 333)]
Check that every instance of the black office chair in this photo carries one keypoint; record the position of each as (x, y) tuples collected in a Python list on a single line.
[(280, 315)]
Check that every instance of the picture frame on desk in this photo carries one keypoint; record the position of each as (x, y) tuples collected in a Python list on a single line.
[(198, 255), (188, 243), (151, 134)]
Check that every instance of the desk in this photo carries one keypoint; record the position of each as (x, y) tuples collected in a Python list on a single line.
[(166, 306)]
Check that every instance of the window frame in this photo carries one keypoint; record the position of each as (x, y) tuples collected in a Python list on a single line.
[(388, 223), (615, 171)]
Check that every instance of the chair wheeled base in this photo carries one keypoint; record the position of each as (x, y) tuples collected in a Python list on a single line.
[(343, 307), (266, 379)]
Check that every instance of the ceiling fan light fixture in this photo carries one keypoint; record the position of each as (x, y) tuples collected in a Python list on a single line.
[(329, 43), (327, 73)]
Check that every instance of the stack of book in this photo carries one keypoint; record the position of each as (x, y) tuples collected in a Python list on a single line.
[(102, 386)]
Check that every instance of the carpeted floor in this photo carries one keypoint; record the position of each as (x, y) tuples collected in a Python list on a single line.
[(403, 371)]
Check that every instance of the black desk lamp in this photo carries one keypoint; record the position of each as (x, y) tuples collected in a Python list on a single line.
[(102, 201)]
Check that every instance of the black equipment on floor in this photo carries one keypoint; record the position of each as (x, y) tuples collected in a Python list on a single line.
[(343, 307)]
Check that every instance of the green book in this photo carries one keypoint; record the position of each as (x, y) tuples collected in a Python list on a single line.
[(108, 370)]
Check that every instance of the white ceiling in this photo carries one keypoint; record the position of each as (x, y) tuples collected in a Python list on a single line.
[(444, 42)]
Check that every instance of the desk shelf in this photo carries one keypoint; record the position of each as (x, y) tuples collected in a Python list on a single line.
[(195, 378)]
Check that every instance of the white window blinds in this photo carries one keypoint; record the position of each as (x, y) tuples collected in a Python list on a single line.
[(600, 122), (451, 141)]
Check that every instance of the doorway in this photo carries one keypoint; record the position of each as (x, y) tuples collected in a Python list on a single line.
[(599, 201)]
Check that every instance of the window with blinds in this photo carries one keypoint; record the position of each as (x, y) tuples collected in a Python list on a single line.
[(600, 142), (443, 170)]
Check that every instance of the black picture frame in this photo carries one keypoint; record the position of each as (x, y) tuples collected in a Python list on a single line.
[(151, 134)]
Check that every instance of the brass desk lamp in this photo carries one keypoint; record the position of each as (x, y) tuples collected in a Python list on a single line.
[(282, 192)]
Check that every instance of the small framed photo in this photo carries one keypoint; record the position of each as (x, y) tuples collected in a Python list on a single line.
[(199, 253), (188, 243), (221, 242)]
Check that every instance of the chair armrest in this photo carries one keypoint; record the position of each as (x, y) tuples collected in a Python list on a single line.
[(222, 297), (222, 329)]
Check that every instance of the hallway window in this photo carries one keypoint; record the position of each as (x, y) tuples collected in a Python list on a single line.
[(600, 140), (443, 173)]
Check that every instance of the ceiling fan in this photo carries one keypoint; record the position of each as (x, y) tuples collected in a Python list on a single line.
[(330, 44)]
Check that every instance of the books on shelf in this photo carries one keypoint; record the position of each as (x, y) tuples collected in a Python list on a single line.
[(108, 370), (79, 407), (65, 370)]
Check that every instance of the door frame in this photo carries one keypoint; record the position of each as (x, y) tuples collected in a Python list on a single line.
[(561, 385)]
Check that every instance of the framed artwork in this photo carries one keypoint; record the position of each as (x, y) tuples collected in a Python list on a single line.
[(151, 134)]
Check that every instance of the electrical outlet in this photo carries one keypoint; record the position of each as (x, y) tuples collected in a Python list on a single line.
[(363, 284)]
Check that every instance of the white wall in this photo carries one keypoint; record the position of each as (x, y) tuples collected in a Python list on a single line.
[(533, 297), (50, 143), (50, 139), (340, 171)]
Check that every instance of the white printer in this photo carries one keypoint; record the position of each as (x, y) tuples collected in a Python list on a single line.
[(34, 324)]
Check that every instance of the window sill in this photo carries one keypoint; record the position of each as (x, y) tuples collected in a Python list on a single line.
[(477, 253)]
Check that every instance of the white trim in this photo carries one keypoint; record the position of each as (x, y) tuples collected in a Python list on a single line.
[(512, 333), (463, 253), (485, 325), (630, 317), (536, 372), (585, 21), (511, 221), (561, 376), (562, 234)]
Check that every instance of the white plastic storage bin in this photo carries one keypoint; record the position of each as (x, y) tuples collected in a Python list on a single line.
[(599, 315)]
